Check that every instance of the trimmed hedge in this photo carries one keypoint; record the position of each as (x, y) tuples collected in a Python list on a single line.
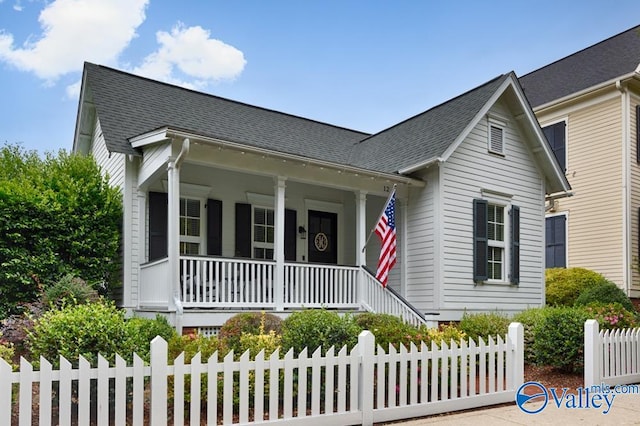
[(563, 286), (603, 293)]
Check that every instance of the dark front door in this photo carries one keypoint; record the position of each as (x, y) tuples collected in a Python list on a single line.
[(323, 237)]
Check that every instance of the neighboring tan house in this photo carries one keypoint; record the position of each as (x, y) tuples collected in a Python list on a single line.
[(588, 106), (230, 207)]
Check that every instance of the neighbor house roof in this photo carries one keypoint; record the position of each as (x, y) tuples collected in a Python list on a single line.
[(614, 57)]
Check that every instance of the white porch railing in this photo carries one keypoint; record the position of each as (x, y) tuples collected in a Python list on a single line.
[(376, 298), (361, 386), (154, 285), (611, 356), (216, 282), (315, 286), (222, 282)]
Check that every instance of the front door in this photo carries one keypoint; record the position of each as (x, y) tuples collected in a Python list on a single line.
[(323, 237)]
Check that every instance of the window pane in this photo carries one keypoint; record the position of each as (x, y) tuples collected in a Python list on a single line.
[(189, 248), (269, 253), (258, 234), (270, 217), (258, 253), (495, 263), (270, 235), (258, 216), (193, 208), (183, 208), (192, 227)]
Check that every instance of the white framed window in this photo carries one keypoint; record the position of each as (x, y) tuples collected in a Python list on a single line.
[(496, 241), (191, 226), (263, 219)]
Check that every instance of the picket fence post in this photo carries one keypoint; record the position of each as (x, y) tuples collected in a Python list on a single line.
[(158, 381), (591, 353), (516, 335), (5, 392), (366, 349)]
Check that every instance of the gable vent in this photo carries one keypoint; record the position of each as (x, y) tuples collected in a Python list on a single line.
[(496, 143)]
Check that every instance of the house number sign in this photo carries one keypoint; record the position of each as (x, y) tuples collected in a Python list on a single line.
[(321, 241)]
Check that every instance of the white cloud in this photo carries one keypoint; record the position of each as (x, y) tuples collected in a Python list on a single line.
[(194, 54), (74, 31)]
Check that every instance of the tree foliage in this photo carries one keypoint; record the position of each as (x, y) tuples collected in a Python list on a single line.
[(58, 216)]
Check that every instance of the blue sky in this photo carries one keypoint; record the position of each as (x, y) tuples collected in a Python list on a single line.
[(359, 64)]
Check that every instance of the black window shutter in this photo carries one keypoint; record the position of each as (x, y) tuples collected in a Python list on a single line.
[(243, 230), (214, 227), (515, 245), (555, 135), (158, 225), (480, 240), (290, 234)]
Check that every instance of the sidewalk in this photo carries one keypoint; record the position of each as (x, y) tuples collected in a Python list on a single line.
[(625, 410)]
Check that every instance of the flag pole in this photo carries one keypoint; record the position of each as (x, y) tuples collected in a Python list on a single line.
[(384, 207)]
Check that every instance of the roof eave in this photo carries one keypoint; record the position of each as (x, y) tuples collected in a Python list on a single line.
[(169, 133)]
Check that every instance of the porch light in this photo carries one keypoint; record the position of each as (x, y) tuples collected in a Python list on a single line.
[(302, 232)]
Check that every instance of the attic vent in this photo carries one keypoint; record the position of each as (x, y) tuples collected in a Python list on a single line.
[(496, 141)]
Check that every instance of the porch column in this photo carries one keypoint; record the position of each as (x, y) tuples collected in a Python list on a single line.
[(173, 238), (278, 279), (361, 227)]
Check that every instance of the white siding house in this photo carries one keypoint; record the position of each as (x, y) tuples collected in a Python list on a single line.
[(229, 207)]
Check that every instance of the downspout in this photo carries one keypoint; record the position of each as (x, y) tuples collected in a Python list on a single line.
[(626, 195), (174, 243)]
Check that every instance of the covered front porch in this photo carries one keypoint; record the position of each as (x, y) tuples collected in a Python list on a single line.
[(227, 228)]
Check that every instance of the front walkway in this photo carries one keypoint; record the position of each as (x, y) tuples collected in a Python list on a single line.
[(625, 410)]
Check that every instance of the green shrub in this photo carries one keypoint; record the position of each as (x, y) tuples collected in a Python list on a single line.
[(564, 285), (77, 330), (387, 329), (192, 344), (529, 319), (482, 325), (559, 339), (445, 333), (612, 315), (247, 322), (605, 292), (69, 290), (58, 215), (142, 331), (315, 328)]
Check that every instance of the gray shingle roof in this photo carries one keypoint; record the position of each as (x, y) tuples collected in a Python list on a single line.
[(604, 61), (129, 106), (426, 135)]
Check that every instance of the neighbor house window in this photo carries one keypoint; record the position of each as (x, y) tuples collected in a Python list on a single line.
[(556, 135), (496, 250), (556, 241), (263, 232), (190, 226)]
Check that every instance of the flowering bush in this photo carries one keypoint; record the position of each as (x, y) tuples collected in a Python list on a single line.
[(612, 315)]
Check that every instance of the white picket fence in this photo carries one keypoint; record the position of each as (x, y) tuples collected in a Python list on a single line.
[(360, 386), (611, 356)]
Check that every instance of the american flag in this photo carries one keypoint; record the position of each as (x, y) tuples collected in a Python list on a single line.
[(386, 230)]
